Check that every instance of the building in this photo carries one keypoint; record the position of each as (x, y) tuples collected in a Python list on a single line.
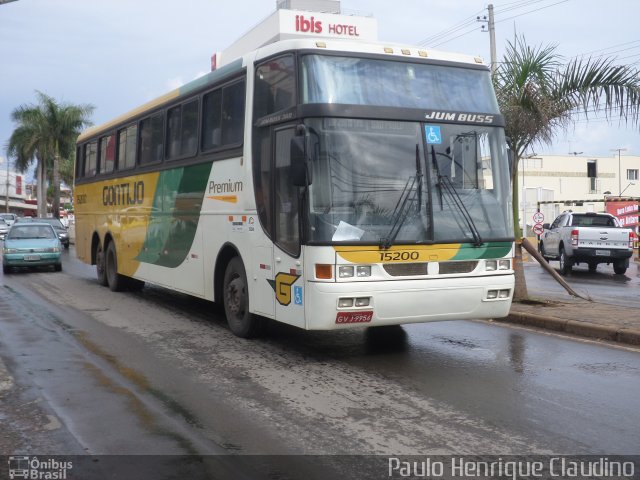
[(13, 193), (579, 183)]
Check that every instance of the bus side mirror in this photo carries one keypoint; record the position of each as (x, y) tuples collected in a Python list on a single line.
[(300, 165), (546, 226)]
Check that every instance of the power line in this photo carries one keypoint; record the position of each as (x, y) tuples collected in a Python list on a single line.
[(514, 6), (451, 39), (444, 33), (473, 20), (608, 48), (532, 11), (521, 4)]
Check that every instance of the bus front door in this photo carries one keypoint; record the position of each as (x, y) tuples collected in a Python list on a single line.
[(287, 254)]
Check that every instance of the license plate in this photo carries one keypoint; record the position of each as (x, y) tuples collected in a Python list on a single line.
[(603, 253), (31, 258), (354, 317)]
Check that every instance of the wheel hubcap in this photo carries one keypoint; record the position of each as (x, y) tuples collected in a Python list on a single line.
[(236, 297)]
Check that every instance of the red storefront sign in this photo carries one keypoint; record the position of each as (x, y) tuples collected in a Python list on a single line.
[(626, 212)]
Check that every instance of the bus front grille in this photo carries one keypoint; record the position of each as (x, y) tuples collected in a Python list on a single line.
[(405, 269), (458, 267)]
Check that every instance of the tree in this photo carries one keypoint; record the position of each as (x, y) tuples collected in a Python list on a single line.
[(46, 132), (539, 96)]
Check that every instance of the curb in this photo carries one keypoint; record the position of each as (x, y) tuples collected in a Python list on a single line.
[(583, 329)]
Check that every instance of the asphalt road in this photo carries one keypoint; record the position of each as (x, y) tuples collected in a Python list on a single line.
[(603, 286), (155, 372)]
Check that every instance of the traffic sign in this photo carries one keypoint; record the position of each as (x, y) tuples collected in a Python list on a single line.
[(538, 217), (538, 229)]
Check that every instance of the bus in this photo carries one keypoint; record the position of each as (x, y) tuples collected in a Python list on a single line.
[(323, 184)]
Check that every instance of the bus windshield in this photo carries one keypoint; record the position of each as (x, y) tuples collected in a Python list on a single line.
[(386, 83), (383, 182)]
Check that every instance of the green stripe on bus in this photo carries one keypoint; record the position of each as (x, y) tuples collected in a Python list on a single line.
[(176, 211), (487, 250)]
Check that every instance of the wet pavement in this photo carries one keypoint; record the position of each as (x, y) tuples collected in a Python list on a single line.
[(610, 309), (158, 372)]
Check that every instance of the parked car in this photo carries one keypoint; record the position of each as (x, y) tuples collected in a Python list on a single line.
[(10, 218), (590, 238), (60, 229), (4, 228), (31, 244)]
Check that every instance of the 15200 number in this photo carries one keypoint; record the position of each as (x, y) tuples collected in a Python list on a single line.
[(399, 256)]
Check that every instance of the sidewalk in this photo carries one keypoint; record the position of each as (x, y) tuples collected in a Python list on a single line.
[(579, 317)]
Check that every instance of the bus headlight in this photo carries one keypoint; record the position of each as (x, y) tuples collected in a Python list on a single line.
[(363, 301), (491, 265), (363, 271), (345, 302), (345, 271), (504, 264)]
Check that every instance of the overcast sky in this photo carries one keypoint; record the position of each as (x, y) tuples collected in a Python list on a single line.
[(117, 54)]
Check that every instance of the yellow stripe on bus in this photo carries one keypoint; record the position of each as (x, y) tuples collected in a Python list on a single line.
[(399, 253), (122, 208)]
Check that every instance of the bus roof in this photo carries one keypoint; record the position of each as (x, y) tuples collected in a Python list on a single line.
[(183, 91), (334, 45)]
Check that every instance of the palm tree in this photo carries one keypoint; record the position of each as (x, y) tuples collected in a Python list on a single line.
[(539, 96), (46, 132)]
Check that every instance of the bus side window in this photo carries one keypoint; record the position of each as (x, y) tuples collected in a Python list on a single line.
[(107, 153), (182, 130), (152, 139), (275, 86), (233, 113), (127, 138), (79, 162), (90, 158), (212, 120)]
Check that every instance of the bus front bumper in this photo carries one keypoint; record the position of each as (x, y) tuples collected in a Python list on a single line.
[(407, 301)]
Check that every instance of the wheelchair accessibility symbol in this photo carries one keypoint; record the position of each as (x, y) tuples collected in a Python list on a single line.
[(297, 295), (433, 134)]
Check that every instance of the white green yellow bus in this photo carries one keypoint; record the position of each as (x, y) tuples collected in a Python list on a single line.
[(325, 185)]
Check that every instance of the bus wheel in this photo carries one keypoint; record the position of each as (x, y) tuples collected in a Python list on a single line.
[(100, 267), (114, 279), (236, 302)]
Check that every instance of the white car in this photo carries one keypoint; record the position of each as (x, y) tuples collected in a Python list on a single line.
[(4, 228), (10, 218)]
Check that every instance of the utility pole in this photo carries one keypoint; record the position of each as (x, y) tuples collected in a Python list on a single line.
[(492, 36), (6, 198), (619, 169)]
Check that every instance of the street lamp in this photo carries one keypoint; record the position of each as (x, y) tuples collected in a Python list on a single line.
[(619, 168)]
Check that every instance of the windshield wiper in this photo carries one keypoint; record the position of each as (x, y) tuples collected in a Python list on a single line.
[(401, 212), (446, 183), (419, 177)]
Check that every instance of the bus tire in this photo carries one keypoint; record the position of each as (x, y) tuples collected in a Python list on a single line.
[(115, 281), (101, 270), (236, 302)]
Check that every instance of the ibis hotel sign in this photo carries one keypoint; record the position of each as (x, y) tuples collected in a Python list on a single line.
[(327, 25)]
